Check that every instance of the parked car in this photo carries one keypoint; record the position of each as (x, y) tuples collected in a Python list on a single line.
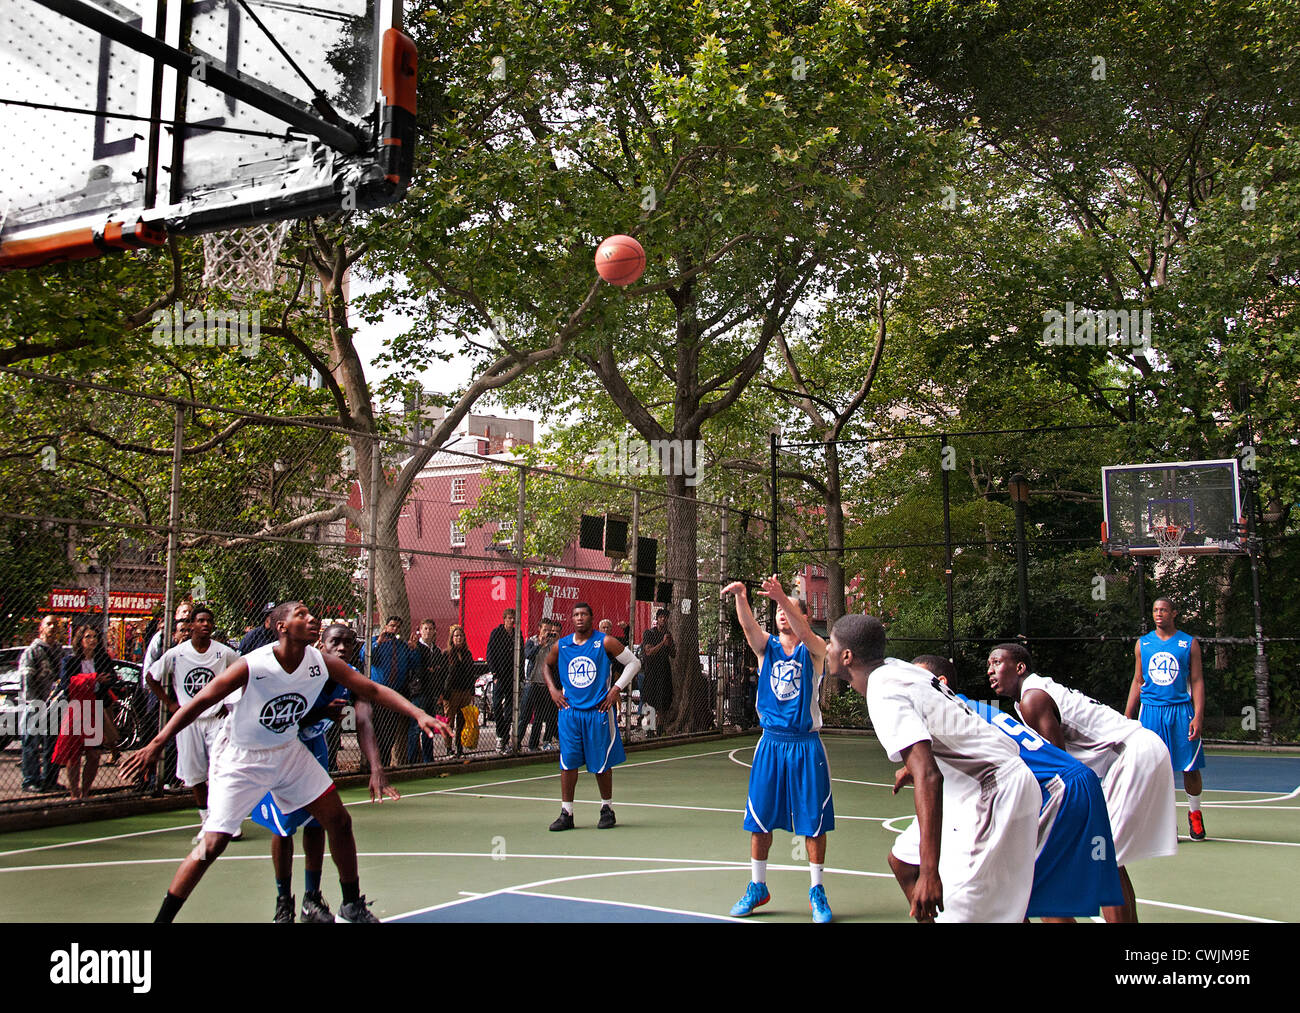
[(125, 699)]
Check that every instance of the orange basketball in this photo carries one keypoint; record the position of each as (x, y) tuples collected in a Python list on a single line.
[(620, 260)]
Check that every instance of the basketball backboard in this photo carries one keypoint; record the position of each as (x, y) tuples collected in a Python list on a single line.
[(128, 119), (1202, 498)]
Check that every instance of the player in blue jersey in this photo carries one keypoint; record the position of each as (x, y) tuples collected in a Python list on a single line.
[(577, 673), (1168, 694), (790, 781), (340, 642), (1075, 875)]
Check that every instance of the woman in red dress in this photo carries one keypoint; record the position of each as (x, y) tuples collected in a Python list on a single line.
[(82, 728)]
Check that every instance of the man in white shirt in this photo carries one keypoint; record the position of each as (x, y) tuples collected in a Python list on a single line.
[(175, 679), (1133, 764), (976, 801)]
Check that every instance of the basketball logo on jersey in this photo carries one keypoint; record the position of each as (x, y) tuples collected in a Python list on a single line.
[(195, 679), (582, 672), (787, 677), (1162, 669), (283, 712)]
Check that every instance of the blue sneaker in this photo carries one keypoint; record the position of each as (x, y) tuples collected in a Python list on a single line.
[(817, 901), (756, 895)]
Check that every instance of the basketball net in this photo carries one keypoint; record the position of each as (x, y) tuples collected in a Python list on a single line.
[(242, 261), (1169, 539)]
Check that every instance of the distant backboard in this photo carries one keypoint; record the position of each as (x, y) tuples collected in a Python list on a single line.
[(127, 119), (1201, 497)]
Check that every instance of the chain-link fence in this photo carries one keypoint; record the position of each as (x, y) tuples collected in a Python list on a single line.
[(126, 510), (961, 541)]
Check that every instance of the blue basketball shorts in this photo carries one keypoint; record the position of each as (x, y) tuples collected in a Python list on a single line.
[(1075, 874), (790, 785), (1171, 721), (589, 737), (267, 814)]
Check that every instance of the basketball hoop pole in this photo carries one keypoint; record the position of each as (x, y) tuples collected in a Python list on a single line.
[(1251, 478)]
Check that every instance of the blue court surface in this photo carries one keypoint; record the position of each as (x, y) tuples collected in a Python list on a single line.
[(1251, 773), (521, 907)]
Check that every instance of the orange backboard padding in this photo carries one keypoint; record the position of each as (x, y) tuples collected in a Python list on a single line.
[(78, 244), (397, 70)]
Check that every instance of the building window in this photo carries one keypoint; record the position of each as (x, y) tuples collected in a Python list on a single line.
[(458, 490), (455, 585), (457, 536), (506, 531)]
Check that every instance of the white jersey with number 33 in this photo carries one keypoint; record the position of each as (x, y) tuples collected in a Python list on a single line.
[(274, 700)]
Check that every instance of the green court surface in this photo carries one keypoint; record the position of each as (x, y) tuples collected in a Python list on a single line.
[(474, 846)]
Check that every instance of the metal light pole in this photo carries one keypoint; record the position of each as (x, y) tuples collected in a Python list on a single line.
[(1019, 487)]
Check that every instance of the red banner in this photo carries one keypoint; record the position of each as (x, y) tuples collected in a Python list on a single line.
[(120, 603)]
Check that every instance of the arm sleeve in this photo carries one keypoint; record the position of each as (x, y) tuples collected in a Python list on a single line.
[(631, 665)]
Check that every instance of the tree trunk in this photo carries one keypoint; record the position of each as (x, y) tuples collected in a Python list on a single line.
[(690, 710)]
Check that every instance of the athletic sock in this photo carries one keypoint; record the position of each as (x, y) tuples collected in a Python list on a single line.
[(567, 807), (607, 801), (283, 887), (1193, 802), (203, 818), (170, 905), (816, 871), (758, 870), (311, 880), (351, 891)]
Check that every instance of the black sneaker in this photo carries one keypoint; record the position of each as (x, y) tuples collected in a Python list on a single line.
[(606, 818), (563, 822), (314, 909), (284, 909), (358, 911)]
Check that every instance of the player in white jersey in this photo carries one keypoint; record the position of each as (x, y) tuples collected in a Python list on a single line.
[(1132, 762), (258, 750), (175, 679), (976, 802)]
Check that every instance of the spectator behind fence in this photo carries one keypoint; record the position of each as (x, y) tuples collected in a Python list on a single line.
[(427, 689), (657, 648), (501, 655), (38, 672), (83, 730), (391, 661), (460, 682), (537, 703)]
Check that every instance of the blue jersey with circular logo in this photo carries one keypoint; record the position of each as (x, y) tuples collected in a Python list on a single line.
[(787, 690), (584, 671), (1165, 665)]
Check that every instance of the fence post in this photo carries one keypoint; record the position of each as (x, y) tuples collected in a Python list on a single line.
[(631, 605), (173, 549), (519, 608), (721, 671), (947, 547), (372, 536)]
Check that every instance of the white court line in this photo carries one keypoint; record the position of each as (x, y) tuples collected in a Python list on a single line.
[(712, 867), (838, 780), (1207, 911), (363, 801), (1239, 840), (636, 907), (677, 865), (619, 803), (1250, 802)]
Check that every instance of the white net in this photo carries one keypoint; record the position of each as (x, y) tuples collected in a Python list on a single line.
[(1169, 539), (243, 261)]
